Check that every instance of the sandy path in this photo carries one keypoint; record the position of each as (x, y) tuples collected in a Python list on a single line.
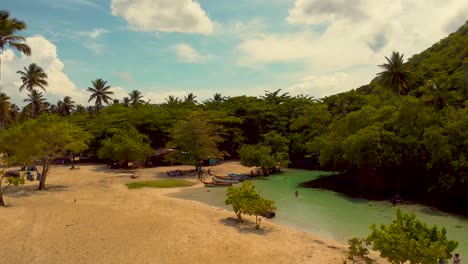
[(110, 224)]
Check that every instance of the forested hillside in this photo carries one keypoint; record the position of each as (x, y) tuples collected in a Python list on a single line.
[(406, 132), (414, 143)]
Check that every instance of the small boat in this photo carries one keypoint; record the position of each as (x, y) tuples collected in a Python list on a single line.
[(225, 180), (217, 184), (238, 175)]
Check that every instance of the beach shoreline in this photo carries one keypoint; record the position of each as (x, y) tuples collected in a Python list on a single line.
[(88, 215)]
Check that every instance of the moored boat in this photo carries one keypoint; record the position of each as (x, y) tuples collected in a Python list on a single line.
[(225, 180), (238, 175), (217, 184)]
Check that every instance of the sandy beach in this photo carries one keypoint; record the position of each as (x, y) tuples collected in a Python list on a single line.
[(88, 215)]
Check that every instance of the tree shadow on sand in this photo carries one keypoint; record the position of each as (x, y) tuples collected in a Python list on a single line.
[(30, 190), (246, 227)]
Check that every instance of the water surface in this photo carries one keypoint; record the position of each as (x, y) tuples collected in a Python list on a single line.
[(327, 213)]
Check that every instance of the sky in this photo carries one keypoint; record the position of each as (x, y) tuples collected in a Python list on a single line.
[(243, 47)]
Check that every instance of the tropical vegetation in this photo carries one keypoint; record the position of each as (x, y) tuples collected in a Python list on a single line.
[(406, 132)]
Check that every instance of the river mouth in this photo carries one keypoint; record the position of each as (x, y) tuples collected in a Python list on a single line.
[(328, 213)]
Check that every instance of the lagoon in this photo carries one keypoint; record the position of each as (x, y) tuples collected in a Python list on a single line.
[(330, 214)]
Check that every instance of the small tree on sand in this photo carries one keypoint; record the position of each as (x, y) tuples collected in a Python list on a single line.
[(407, 239), (42, 140), (8, 180), (245, 200)]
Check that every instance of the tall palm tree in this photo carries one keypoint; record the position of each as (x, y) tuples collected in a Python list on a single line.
[(5, 107), (100, 93), (395, 74), (190, 98), (36, 102), (66, 106), (8, 28), (33, 76), (136, 98)]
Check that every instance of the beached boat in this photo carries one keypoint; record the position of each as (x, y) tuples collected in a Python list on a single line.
[(238, 175), (217, 184), (225, 180)]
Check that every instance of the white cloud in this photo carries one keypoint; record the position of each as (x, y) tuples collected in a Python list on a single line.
[(44, 54), (326, 84), (92, 42), (185, 53), (185, 16), (95, 33), (356, 33), (126, 76)]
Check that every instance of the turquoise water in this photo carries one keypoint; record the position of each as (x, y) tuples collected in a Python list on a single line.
[(328, 213)]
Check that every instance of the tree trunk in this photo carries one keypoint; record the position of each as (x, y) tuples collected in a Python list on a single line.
[(2, 203), (45, 170), (239, 217)]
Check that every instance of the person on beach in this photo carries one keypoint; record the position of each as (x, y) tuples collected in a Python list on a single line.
[(296, 193), (456, 259)]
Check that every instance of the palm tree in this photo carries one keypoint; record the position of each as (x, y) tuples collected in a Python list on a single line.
[(14, 111), (136, 98), (172, 100), (33, 76), (5, 107), (37, 102), (190, 98), (218, 98), (395, 74), (66, 106), (126, 101), (8, 28), (100, 93), (80, 109)]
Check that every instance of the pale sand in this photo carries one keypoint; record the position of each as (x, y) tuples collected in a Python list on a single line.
[(109, 223)]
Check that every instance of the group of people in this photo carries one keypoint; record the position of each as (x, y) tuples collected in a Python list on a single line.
[(29, 175), (201, 175)]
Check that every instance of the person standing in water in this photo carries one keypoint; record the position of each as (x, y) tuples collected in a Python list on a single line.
[(456, 259), (296, 193)]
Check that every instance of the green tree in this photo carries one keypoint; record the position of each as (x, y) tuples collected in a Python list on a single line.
[(100, 92), (190, 99), (36, 102), (32, 77), (9, 181), (409, 239), (8, 29), (195, 139), (172, 100), (43, 140), (5, 109), (357, 252), (395, 74), (136, 98), (124, 146), (257, 155), (67, 106), (245, 200)]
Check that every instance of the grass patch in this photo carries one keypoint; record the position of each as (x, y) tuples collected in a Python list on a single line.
[(159, 184)]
